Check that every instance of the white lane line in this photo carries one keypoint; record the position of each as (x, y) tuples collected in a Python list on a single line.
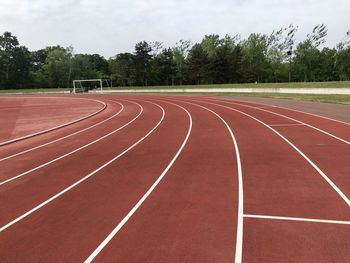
[(239, 235), (59, 126), (286, 125), (312, 220), (144, 197), (74, 151), (290, 109), (310, 126), (65, 137), (325, 177), (292, 119), (84, 178)]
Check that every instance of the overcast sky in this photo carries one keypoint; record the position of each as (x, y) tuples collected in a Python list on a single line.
[(108, 27)]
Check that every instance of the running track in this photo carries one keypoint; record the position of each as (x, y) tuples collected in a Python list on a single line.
[(131, 178)]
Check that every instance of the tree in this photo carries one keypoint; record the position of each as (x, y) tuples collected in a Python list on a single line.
[(56, 69), (198, 62), (254, 60), (14, 62), (308, 57), (215, 59), (122, 68), (142, 62), (342, 59), (180, 52), (318, 35), (163, 68)]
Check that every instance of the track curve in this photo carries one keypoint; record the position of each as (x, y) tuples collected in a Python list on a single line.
[(179, 179)]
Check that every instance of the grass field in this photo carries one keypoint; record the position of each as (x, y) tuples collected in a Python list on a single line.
[(340, 99), (333, 84), (32, 90), (343, 99)]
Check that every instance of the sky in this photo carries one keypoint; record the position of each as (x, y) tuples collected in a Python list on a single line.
[(109, 27)]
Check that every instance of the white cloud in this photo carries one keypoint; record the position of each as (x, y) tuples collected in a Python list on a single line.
[(112, 26)]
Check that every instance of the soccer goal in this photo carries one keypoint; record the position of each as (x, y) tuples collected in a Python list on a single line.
[(85, 85)]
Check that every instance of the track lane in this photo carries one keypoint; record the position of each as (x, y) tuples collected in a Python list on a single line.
[(328, 153), (324, 124), (76, 221), (273, 156), (278, 183), (274, 241), (192, 215)]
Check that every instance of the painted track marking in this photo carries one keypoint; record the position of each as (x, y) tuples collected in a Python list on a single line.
[(59, 126), (239, 237), (281, 107), (65, 137), (74, 151), (312, 220), (144, 197), (325, 177), (84, 178), (290, 118), (285, 125)]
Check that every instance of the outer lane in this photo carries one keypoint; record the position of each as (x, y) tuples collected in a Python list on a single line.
[(328, 153), (340, 129), (277, 183)]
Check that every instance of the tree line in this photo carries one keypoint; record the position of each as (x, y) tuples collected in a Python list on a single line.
[(274, 57)]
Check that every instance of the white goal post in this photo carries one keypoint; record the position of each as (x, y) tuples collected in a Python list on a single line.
[(75, 82)]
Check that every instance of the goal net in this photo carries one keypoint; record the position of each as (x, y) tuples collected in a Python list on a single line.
[(86, 85)]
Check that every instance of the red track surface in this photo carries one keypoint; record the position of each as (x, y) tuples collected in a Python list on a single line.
[(160, 179)]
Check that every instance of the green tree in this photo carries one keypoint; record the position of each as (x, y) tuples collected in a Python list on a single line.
[(122, 68), (14, 62), (163, 68), (57, 68), (198, 63), (180, 52), (342, 59), (142, 62), (307, 60), (255, 65)]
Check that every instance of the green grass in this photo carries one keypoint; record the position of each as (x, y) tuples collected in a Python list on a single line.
[(340, 99), (333, 84), (32, 90)]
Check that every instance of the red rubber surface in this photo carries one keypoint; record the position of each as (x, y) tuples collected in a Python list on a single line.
[(22, 116), (192, 214)]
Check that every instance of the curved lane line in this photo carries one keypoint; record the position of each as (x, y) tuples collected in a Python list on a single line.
[(289, 118), (239, 237), (65, 137), (57, 127), (74, 151), (84, 178), (325, 177), (285, 108), (145, 196)]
